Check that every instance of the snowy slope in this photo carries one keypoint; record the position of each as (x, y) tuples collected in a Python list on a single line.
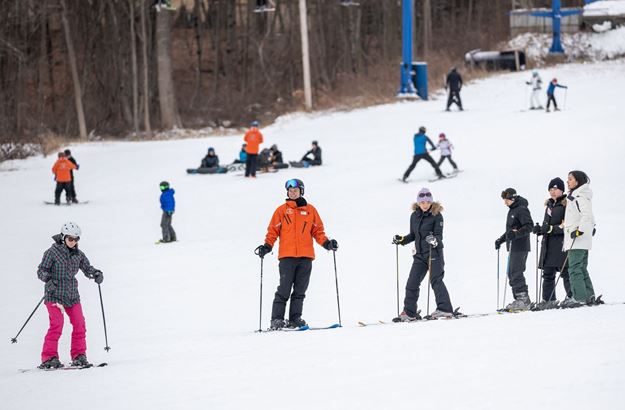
[(181, 316)]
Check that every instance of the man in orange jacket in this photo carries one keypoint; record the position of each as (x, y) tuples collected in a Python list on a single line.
[(253, 138), (62, 170), (296, 223)]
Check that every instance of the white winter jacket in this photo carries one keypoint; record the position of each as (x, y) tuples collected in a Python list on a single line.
[(536, 82), (445, 146), (578, 216)]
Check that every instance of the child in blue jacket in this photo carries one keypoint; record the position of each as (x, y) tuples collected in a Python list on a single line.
[(168, 205), (551, 93)]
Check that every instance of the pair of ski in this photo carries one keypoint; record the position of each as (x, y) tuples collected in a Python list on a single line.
[(67, 203), (431, 180), (456, 315), (53, 369), (300, 329)]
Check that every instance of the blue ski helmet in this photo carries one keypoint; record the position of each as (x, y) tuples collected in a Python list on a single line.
[(295, 183), (255, 123)]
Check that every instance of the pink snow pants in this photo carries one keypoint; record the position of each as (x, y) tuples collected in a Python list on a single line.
[(79, 331)]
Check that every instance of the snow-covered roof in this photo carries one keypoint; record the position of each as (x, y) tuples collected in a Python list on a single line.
[(605, 8)]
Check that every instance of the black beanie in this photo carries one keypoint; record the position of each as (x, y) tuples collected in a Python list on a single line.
[(509, 193), (556, 183)]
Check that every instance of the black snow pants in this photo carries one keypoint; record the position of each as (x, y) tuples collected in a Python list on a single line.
[(516, 272), (70, 194), (549, 283), (426, 157), (417, 273), (447, 157), (169, 235), (60, 187), (294, 275), (550, 98), (251, 164), (454, 97)]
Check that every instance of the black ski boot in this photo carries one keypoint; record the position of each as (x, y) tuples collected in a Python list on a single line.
[(276, 324), (81, 361), (51, 363), (295, 323)]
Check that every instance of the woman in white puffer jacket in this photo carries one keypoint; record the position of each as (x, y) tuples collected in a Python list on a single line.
[(579, 226)]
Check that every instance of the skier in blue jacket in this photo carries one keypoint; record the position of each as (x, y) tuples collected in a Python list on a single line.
[(421, 152), (551, 93), (168, 205)]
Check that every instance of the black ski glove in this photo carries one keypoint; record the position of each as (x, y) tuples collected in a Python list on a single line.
[(98, 276), (263, 250), (498, 243), (398, 240), (576, 233), (50, 286), (537, 230), (431, 240), (331, 245), (511, 235)]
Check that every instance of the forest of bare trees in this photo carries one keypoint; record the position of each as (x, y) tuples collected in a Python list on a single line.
[(114, 67)]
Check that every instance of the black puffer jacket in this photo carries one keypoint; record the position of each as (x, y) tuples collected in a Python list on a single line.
[(423, 224), (210, 161), (518, 226), (454, 80), (551, 254)]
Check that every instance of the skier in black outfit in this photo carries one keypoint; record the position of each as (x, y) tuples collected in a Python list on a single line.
[(71, 192), (519, 225), (426, 231), (420, 152), (454, 85), (552, 255)]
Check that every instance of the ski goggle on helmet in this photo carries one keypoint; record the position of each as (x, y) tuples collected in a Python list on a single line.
[(295, 183)]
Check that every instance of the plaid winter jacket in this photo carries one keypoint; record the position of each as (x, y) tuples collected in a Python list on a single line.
[(60, 264)]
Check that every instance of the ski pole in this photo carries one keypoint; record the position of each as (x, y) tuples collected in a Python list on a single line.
[(429, 279), (336, 279), (505, 288), (14, 339), (397, 265), (537, 284), (497, 278), (260, 314), (106, 339), (566, 258), (565, 93)]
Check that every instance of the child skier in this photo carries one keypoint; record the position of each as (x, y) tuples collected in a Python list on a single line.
[(58, 269), (421, 152), (426, 231), (296, 223), (551, 94), (168, 205), (445, 146), (537, 84), (62, 169)]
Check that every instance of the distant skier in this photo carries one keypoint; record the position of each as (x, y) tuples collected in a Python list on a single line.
[(551, 94), (168, 205), (446, 147), (537, 84), (426, 231), (275, 158), (579, 228), (519, 225), (58, 269), (552, 256), (454, 85), (71, 196), (296, 223), (62, 170), (420, 152), (253, 138)]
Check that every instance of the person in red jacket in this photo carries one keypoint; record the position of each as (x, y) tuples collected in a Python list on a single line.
[(62, 170), (296, 223), (253, 138)]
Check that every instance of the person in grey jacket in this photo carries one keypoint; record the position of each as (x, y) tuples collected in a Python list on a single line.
[(517, 239), (579, 228)]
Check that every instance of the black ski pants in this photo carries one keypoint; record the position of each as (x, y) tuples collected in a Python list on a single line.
[(294, 278), (251, 164), (549, 283), (169, 234), (454, 98), (447, 157), (60, 187), (417, 273), (550, 98), (71, 192), (426, 157), (516, 272)]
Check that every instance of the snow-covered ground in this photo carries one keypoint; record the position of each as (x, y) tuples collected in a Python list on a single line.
[(581, 46), (181, 317)]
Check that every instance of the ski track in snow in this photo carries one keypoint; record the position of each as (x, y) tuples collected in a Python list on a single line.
[(181, 318)]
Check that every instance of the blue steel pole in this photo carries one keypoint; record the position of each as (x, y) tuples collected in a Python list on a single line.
[(556, 45), (406, 87)]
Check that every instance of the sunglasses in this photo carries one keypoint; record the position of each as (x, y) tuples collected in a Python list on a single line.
[(425, 194), (72, 238)]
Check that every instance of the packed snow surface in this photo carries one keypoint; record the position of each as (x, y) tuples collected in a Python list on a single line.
[(605, 8), (181, 317)]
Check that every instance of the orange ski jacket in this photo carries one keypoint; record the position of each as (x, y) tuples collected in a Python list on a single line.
[(62, 170), (253, 138), (296, 226)]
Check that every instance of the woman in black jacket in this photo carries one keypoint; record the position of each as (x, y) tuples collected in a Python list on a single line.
[(426, 231), (552, 256)]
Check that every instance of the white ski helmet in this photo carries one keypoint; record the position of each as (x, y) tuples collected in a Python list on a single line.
[(70, 229)]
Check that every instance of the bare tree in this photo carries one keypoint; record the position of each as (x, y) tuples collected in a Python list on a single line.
[(166, 93)]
